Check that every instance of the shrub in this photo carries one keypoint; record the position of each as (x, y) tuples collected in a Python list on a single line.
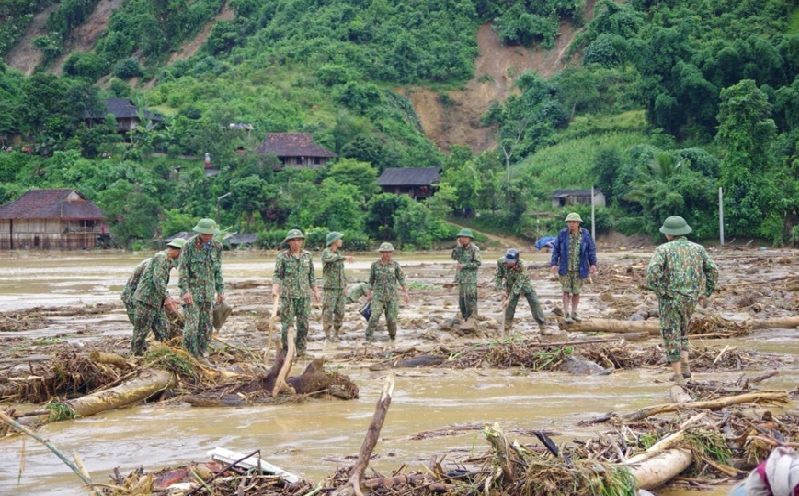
[(127, 68)]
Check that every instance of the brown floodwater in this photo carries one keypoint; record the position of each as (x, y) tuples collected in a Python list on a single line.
[(313, 439)]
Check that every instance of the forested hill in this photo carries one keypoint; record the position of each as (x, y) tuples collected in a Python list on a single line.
[(658, 104)]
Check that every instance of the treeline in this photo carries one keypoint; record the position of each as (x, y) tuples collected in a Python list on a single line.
[(665, 102)]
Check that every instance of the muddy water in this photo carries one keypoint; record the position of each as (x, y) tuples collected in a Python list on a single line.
[(315, 438)]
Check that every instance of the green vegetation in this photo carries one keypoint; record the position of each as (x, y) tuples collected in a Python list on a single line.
[(670, 101)]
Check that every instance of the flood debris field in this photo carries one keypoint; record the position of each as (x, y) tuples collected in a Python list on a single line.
[(61, 363)]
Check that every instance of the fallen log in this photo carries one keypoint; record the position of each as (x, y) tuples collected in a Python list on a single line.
[(148, 383), (652, 326), (662, 468), (280, 382), (776, 397), (776, 323)]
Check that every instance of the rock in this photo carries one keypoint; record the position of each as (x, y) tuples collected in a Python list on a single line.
[(582, 366)]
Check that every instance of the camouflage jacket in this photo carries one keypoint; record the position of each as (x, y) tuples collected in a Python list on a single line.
[(681, 268), (356, 291), (384, 279), (333, 270), (201, 270), (470, 259), (294, 275), (152, 287), (513, 279), (133, 282)]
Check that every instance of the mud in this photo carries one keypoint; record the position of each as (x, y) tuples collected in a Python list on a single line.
[(69, 304)]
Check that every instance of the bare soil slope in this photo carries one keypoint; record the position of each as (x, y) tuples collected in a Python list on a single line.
[(495, 71), (84, 36), (24, 56)]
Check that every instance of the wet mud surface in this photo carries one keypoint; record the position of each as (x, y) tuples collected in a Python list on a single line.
[(447, 377)]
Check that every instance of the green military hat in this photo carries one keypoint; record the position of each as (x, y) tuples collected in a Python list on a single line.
[(206, 226), (294, 234), (385, 246), (466, 233), (675, 226), (177, 243), (573, 217), (332, 237)]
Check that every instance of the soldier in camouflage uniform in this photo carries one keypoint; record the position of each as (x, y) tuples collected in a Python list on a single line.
[(384, 277), (151, 297), (573, 259), (200, 279), (130, 288), (513, 281), (357, 291), (333, 282), (468, 256), (681, 274), (293, 282)]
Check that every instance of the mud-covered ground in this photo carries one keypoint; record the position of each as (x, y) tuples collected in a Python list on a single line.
[(462, 367)]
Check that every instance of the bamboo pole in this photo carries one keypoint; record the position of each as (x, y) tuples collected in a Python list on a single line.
[(75, 468)]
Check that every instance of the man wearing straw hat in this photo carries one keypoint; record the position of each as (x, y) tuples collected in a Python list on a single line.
[(151, 297), (681, 274), (469, 260), (293, 282), (384, 277), (573, 259), (333, 282), (200, 284)]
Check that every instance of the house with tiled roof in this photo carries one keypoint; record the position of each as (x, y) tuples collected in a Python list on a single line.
[(52, 219), (295, 150), (417, 182), (568, 197), (126, 114)]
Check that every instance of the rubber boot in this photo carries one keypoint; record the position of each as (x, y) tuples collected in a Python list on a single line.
[(326, 328), (685, 367), (335, 337)]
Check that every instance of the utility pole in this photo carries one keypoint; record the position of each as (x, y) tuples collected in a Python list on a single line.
[(721, 216), (593, 224)]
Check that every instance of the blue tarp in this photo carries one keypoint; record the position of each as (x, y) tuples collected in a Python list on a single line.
[(543, 242)]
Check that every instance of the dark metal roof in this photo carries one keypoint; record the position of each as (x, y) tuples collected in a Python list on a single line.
[(241, 239), (561, 193), (292, 145), (182, 235), (410, 176), (123, 108), (64, 204)]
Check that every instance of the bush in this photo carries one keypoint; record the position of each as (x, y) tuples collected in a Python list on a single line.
[(270, 240), (127, 68)]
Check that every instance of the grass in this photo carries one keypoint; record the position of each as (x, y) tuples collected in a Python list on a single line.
[(168, 360), (60, 411)]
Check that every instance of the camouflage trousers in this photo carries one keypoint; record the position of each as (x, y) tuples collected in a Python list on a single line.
[(198, 327), (130, 308), (294, 311), (675, 322), (333, 311), (532, 299), (145, 319), (391, 309), (467, 300)]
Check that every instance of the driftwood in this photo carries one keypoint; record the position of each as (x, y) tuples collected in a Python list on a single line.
[(777, 323), (280, 381), (652, 326), (148, 383), (716, 404), (109, 359), (271, 328), (661, 469), (679, 395), (76, 466), (353, 486)]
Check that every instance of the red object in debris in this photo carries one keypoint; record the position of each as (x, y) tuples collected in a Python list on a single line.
[(207, 160)]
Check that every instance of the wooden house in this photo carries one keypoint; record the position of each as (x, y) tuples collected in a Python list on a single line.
[(417, 182), (566, 197), (295, 150), (52, 219), (126, 114)]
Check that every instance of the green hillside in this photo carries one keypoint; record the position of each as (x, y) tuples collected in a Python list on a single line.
[(662, 103)]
